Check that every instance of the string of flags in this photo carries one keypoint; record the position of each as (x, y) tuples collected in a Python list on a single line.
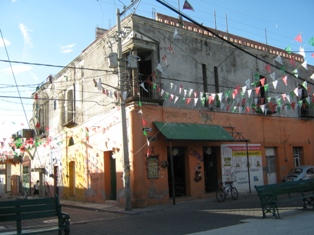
[(238, 98), (189, 94)]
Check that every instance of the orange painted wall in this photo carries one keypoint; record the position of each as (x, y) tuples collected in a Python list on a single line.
[(278, 132)]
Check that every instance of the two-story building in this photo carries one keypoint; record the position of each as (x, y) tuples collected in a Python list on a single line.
[(201, 106)]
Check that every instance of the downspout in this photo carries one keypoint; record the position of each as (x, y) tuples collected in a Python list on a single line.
[(172, 176), (248, 164)]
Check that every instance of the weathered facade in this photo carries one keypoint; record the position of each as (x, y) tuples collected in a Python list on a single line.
[(198, 111)]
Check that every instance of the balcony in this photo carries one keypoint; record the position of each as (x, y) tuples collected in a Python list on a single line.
[(306, 111), (146, 94)]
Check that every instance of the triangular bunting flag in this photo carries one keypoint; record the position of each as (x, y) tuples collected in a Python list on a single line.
[(275, 84), (298, 38), (267, 67), (304, 84), (296, 91), (143, 86), (159, 67), (302, 52), (257, 90), (219, 96), (176, 98), (293, 105), (311, 41), (304, 64), (284, 97), (247, 109), (247, 83), (284, 79), (278, 59), (243, 89), (170, 49), (187, 6), (176, 34), (288, 49), (249, 92)]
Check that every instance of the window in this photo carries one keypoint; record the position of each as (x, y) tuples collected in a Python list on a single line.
[(310, 171), (69, 105), (260, 97), (43, 118), (68, 109), (297, 152), (261, 94), (305, 110), (144, 74)]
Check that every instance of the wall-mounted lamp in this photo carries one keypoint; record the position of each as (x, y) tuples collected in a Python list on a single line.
[(175, 152)]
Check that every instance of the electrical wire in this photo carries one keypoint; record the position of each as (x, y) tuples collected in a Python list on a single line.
[(18, 91), (52, 65)]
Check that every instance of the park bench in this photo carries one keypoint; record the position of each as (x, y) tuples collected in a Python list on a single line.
[(24, 210), (272, 194)]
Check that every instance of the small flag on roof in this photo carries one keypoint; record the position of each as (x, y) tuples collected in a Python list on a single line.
[(187, 6)]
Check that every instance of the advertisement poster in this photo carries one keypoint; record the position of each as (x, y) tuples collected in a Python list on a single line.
[(242, 164)]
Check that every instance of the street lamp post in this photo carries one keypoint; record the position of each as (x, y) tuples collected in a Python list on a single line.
[(126, 166)]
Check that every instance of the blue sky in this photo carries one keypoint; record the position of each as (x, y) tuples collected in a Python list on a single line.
[(56, 31)]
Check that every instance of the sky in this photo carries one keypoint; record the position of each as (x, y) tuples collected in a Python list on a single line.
[(55, 32)]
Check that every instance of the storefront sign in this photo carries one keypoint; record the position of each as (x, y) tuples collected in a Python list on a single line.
[(242, 164), (152, 167)]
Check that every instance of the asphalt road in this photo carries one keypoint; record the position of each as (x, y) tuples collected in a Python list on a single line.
[(185, 217)]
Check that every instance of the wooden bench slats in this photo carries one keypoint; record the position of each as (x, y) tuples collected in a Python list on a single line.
[(25, 209), (19, 210), (27, 202)]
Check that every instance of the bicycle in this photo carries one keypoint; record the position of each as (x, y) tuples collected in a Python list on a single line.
[(226, 189)]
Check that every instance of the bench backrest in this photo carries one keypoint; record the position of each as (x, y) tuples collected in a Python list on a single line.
[(29, 209), (285, 187)]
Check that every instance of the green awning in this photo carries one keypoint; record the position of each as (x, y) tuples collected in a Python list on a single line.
[(190, 131)]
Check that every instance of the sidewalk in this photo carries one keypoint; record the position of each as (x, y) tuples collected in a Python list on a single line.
[(111, 206)]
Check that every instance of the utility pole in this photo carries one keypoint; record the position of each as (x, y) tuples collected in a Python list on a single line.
[(126, 165)]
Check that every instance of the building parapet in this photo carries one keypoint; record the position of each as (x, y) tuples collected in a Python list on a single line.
[(230, 37)]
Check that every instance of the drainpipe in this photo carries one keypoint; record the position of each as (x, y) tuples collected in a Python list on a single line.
[(248, 164), (172, 177)]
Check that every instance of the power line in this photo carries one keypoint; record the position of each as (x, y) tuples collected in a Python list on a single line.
[(4, 44), (56, 66)]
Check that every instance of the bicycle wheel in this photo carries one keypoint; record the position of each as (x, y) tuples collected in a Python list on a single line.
[(220, 195), (234, 193)]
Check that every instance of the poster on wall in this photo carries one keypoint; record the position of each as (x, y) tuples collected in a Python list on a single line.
[(242, 164)]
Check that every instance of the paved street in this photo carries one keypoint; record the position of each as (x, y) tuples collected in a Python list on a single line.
[(186, 217)]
